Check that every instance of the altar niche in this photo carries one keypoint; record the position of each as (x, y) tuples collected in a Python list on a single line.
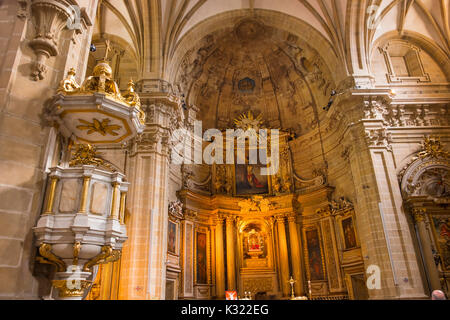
[(257, 271)]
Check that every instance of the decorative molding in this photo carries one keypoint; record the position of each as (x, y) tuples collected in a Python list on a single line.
[(379, 138), (50, 18), (428, 173)]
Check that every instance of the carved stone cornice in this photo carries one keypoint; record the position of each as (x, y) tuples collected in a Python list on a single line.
[(379, 138)]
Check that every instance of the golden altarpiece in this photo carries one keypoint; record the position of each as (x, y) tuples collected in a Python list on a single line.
[(233, 229)]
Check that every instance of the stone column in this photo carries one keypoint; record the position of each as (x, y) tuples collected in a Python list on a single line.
[(284, 257), (144, 260), (386, 241), (295, 255), (220, 263), (433, 275), (231, 253)]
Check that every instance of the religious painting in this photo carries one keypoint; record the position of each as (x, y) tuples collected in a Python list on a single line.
[(254, 242), (348, 230), (172, 238), (315, 261), (201, 259), (249, 180), (441, 224)]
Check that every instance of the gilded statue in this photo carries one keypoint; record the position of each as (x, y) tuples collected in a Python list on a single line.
[(101, 81), (132, 98), (69, 84)]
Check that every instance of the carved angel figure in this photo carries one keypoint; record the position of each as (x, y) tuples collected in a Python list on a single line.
[(132, 98), (69, 84)]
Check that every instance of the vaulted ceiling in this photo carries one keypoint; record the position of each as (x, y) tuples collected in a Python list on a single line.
[(153, 29)]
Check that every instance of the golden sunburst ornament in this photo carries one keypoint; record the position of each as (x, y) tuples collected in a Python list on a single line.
[(248, 121), (432, 147)]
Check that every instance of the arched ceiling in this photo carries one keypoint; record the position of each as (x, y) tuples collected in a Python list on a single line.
[(250, 66), (155, 27)]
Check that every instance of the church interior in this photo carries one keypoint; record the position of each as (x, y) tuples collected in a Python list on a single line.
[(108, 107)]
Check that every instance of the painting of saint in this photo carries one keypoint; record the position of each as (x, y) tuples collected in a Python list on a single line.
[(442, 232), (314, 255), (201, 259), (349, 233), (172, 238), (249, 181)]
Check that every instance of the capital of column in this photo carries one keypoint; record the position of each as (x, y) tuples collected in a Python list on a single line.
[(230, 219), (292, 218), (419, 214), (280, 218), (219, 220)]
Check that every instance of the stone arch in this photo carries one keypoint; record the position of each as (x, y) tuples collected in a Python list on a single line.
[(275, 19), (420, 41), (426, 177)]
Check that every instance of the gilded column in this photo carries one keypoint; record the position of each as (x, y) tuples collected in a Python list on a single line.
[(51, 195), (433, 275), (213, 260), (115, 198), (284, 257), (123, 196), (84, 194), (231, 265), (220, 264), (295, 255)]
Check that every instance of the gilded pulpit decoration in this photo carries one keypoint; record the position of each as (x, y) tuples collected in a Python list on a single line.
[(132, 98), (47, 256), (67, 289), (69, 84), (102, 127), (85, 154), (101, 81)]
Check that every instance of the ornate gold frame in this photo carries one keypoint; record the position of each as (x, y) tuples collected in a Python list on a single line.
[(205, 231), (269, 184), (306, 252), (430, 217), (177, 242), (339, 219)]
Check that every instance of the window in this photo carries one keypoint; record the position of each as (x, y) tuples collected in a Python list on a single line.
[(403, 62)]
